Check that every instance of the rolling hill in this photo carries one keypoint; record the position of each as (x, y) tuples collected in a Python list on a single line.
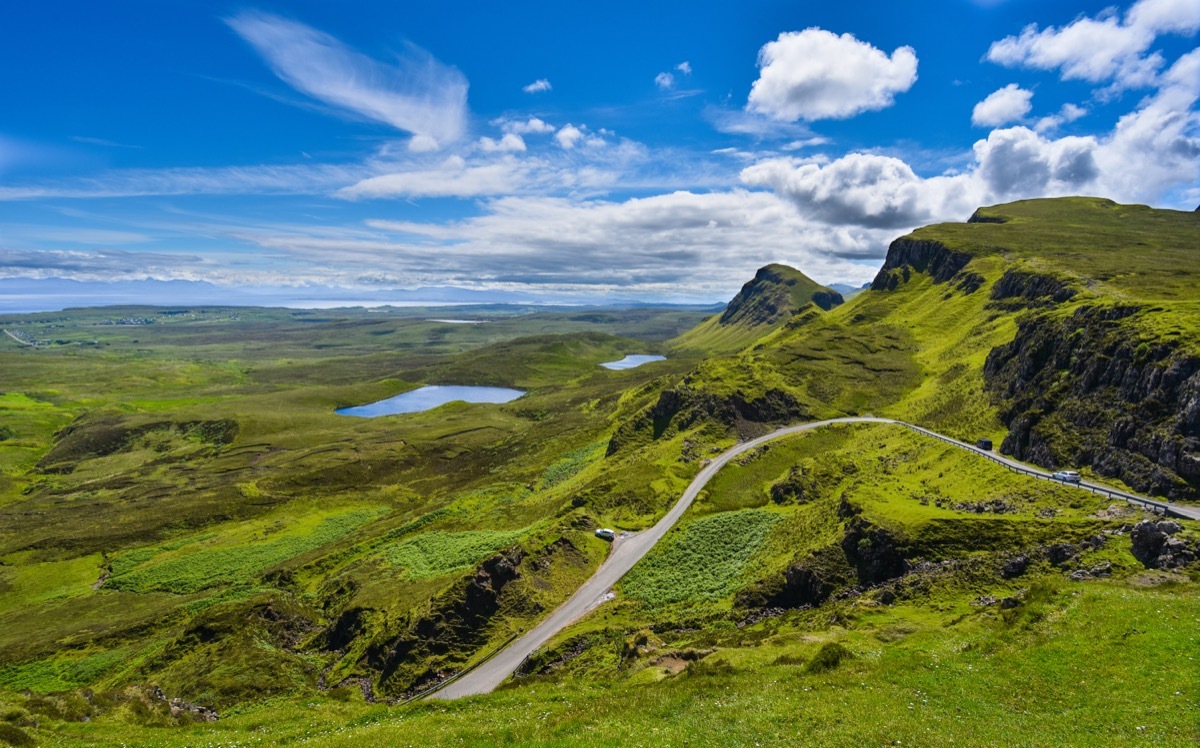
[(200, 526)]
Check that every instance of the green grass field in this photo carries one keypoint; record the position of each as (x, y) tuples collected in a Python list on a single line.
[(180, 508)]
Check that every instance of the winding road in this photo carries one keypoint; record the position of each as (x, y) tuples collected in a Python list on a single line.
[(628, 550)]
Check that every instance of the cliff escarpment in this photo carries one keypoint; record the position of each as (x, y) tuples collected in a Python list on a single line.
[(1085, 390), (907, 255)]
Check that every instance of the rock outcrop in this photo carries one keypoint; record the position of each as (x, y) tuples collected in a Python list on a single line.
[(1155, 544), (1084, 390), (907, 255), (431, 649)]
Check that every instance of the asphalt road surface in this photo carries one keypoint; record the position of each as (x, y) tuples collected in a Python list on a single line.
[(630, 549)]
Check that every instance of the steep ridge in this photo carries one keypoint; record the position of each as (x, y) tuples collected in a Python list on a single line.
[(1104, 368), (1064, 329)]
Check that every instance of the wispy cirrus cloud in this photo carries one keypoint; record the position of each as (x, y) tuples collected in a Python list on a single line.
[(416, 93), (294, 179), (101, 264)]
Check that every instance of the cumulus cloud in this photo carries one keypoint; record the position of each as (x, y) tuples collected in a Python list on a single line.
[(538, 86), (533, 125), (1009, 104), (1162, 137), (1018, 162), (417, 94), (1102, 48), (815, 74), (1067, 114), (666, 80), (510, 142), (568, 136), (861, 189)]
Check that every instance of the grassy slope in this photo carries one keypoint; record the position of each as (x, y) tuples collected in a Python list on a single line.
[(303, 504), (1086, 663), (763, 304), (534, 468)]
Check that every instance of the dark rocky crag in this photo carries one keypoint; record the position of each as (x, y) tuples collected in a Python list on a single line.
[(434, 646), (1084, 391), (907, 255), (1077, 391)]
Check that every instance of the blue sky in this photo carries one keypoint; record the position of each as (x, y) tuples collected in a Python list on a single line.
[(659, 152)]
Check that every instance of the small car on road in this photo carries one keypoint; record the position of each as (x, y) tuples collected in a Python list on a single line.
[(1067, 476), (605, 534)]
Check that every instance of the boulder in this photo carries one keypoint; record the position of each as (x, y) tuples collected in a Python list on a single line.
[(1015, 567)]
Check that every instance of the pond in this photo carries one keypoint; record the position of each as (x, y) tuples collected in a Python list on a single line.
[(632, 362), (426, 398)]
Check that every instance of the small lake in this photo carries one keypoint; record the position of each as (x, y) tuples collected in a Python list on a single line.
[(426, 398), (632, 362)]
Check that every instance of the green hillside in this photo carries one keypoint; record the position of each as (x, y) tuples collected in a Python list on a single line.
[(183, 516), (775, 295)]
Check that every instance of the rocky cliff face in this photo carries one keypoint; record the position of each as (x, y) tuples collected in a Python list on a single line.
[(432, 648), (1084, 391), (907, 255)]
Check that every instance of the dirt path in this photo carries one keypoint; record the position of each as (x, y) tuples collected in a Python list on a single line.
[(10, 334)]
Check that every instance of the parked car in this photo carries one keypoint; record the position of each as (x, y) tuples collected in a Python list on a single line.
[(1067, 476), (605, 534), (984, 444)]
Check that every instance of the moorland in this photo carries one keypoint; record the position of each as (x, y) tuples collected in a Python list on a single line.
[(196, 549)]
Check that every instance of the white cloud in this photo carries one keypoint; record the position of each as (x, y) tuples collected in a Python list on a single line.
[(510, 142), (418, 94), (861, 189), (1017, 163), (664, 81), (666, 245), (1069, 113), (684, 67), (533, 125), (423, 144), (451, 178), (1009, 104), (568, 136), (814, 74), (96, 265), (538, 86), (742, 122), (1157, 147), (1106, 47), (305, 179)]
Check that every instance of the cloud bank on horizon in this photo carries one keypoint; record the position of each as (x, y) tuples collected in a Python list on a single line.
[(370, 168)]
